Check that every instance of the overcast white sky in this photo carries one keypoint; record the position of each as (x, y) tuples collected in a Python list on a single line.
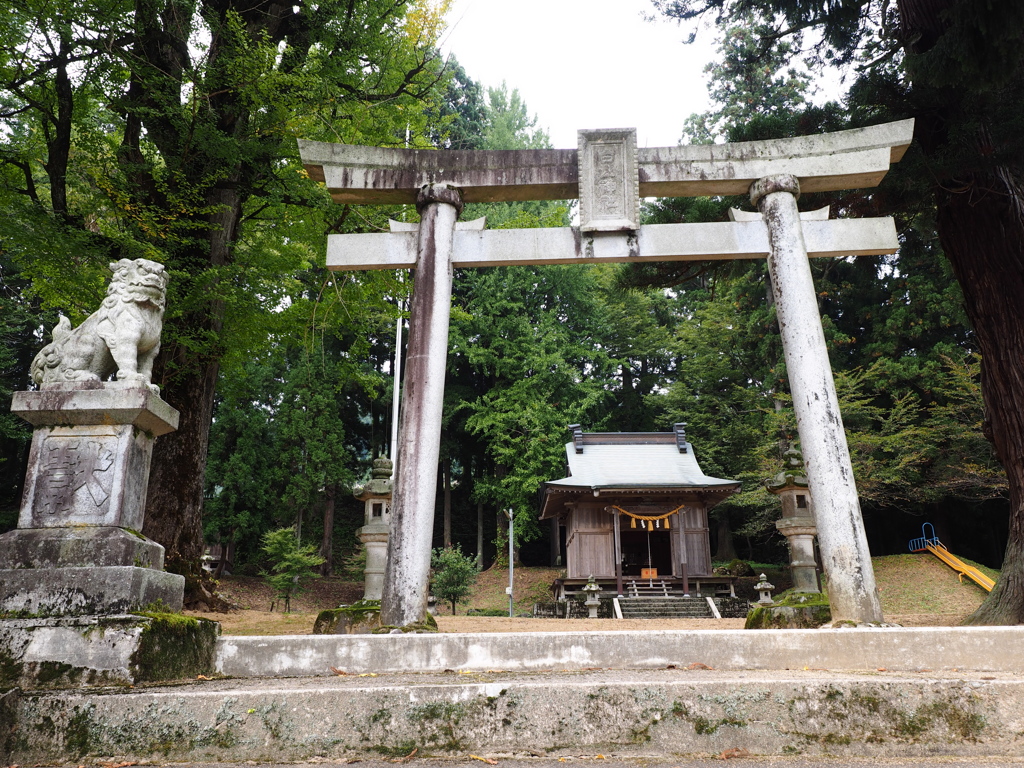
[(585, 64)]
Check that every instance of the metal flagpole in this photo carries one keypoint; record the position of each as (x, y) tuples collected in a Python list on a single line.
[(511, 565)]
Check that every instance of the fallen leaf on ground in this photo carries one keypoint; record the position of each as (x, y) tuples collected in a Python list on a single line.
[(198, 677), (734, 752), (698, 665), (337, 671), (116, 765), (408, 757), (484, 760), (368, 674), (881, 669)]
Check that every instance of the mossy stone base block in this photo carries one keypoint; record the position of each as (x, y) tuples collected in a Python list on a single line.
[(360, 618), (92, 591), (175, 647), (104, 650), (791, 610), (79, 547)]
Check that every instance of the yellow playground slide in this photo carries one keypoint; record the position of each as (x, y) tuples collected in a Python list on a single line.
[(937, 548)]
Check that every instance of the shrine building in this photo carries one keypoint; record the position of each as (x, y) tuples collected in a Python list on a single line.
[(633, 513)]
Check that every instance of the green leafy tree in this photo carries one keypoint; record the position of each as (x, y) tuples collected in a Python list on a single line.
[(292, 424), (454, 575), (291, 564), (166, 130), (20, 319), (750, 80)]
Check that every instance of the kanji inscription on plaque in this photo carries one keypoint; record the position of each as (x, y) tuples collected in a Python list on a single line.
[(608, 179), (75, 475)]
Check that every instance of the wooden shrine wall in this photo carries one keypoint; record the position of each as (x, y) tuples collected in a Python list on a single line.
[(698, 544), (589, 543)]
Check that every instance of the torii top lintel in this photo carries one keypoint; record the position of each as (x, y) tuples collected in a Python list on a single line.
[(824, 162)]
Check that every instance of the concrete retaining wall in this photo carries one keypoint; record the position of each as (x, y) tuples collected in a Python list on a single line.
[(990, 649), (664, 712)]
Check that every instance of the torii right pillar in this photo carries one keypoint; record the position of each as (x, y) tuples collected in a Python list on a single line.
[(841, 537)]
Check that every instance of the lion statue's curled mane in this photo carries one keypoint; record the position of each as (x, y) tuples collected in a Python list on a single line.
[(122, 336)]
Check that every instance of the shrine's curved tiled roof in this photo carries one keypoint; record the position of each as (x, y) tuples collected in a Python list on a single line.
[(636, 467)]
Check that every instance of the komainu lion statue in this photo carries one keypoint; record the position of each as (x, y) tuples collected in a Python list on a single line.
[(122, 336)]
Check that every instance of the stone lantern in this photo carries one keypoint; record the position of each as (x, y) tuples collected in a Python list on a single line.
[(764, 591), (592, 590), (376, 495), (797, 523)]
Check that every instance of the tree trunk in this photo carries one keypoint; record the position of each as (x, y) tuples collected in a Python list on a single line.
[(177, 480), (174, 504), (725, 551), (980, 222), (327, 543), (480, 535), (982, 233)]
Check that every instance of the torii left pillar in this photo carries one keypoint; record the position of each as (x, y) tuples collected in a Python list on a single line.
[(404, 600)]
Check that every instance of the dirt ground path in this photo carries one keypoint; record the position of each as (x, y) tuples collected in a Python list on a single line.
[(267, 623)]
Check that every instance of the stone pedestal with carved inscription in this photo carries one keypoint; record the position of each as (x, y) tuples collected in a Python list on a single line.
[(77, 550)]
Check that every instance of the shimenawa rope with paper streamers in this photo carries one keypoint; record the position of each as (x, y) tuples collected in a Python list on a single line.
[(647, 518)]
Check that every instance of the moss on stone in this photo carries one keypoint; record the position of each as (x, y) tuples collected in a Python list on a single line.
[(706, 727), (791, 610), (360, 617), (10, 670), (53, 671), (78, 734), (174, 647), (5, 615), (402, 749), (428, 625)]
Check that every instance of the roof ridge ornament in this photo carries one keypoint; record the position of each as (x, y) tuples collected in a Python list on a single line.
[(680, 429), (577, 437)]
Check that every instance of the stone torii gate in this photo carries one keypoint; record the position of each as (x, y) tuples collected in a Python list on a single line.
[(609, 175)]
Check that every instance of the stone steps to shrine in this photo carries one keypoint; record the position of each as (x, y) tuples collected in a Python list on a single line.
[(680, 608), (665, 608)]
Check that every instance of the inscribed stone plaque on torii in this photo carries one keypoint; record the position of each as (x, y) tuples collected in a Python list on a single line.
[(772, 172), (608, 182)]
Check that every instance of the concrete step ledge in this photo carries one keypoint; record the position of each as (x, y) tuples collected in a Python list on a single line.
[(983, 649), (615, 713)]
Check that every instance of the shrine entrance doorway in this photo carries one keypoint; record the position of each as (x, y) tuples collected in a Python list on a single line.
[(643, 550)]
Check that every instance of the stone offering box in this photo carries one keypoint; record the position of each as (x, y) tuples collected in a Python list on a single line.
[(77, 550)]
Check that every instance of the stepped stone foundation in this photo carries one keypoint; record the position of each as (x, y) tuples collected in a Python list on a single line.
[(76, 570), (77, 550)]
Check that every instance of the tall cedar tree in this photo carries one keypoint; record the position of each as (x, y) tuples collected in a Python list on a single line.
[(956, 66)]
